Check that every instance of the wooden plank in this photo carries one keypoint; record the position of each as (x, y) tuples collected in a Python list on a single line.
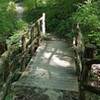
[(53, 68)]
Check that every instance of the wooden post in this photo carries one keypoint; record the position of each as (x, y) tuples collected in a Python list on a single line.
[(43, 24), (23, 43)]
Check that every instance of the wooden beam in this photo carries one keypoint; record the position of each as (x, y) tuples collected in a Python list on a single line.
[(43, 24)]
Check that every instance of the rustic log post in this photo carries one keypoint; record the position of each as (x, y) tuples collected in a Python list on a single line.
[(4, 65), (39, 25), (23, 40), (78, 50), (81, 93), (7, 85), (43, 24)]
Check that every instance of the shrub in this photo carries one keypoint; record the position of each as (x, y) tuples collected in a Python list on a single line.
[(14, 40), (7, 21), (88, 15)]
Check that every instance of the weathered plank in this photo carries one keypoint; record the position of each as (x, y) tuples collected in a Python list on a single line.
[(53, 68)]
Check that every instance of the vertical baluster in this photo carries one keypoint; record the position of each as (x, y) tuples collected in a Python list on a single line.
[(43, 24)]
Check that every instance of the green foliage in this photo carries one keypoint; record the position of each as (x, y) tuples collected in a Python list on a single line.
[(58, 19), (94, 37), (11, 7), (30, 4), (33, 15), (88, 15), (63, 29), (9, 97), (21, 25), (14, 40), (57, 13), (7, 21)]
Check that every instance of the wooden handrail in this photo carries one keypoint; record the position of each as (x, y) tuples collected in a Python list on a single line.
[(35, 34), (82, 65), (30, 40), (78, 46), (36, 29)]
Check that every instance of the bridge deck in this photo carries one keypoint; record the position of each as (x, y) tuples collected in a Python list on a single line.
[(52, 68)]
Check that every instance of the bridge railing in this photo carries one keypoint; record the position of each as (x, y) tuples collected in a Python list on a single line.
[(35, 30), (29, 41), (12, 68), (78, 45), (84, 58)]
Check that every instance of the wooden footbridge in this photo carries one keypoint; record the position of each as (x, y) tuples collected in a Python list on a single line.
[(45, 62), (53, 67)]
